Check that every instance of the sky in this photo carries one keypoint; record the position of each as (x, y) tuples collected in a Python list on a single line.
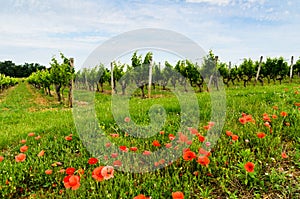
[(34, 31)]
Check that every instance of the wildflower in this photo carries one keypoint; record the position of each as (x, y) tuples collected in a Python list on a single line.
[(126, 119), (140, 196), (133, 148), (168, 145), (283, 114), (274, 116), (201, 138), (275, 107), (31, 134), (229, 133), (72, 182), (48, 172), (249, 166), (123, 148), (93, 161), (23, 141), (114, 135), (96, 174), (261, 135), (189, 155), (284, 155), (203, 160), (161, 132), (114, 155), (146, 152), (242, 120), (234, 137), (171, 137), (108, 144), (23, 148), (107, 172), (70, 170), (267, 124), (204, 152), (193, 131), (68, 138), (38, 137), (117, 163), (182, 138), (177, 195), (207, 144), (1, 158), (21, 157), (156, 143)]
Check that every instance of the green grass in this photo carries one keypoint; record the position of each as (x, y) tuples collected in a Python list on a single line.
[(224, 177)]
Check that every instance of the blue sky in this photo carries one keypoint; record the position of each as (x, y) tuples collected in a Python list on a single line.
[(34, 30)]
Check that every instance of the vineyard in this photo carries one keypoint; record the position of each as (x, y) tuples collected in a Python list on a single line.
[(257, 154)]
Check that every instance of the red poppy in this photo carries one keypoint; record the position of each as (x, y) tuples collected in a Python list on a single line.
[(123, 148), (275, 107), (1, 158), (284, 155), (168, 145), (70, 170), (114, 155), (107, 172), (242, 120), (171, 137), (31, 134), (156, 143), (193, 131), (23, 141), (234, 137), (133, 148), (161, 132), (140, 196), (177, 195), (146, 152), (229, 133), (182, 138), (203, 160), (117, 163), (283, 114), (96, 174), (38, 137), (162, 161), (93, 161), (261, 135), (48, 172), (108, 144), (201, 138), (207, 127), (297, 103), (20, 158), (68, 138), (267, 124), (204, 152), (23, 148), (249, 166), (189, 155), (274, 116), (114, 135), (127, 119), (72, 182)]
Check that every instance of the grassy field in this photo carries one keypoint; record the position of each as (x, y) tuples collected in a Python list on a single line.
[(269, 139)]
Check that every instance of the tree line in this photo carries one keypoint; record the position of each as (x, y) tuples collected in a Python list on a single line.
[(10, 69)]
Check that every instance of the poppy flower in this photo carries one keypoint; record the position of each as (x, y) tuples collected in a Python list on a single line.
[(141, 196), (203, 160), (275, 107), (207, 127), (234, 137), (117, 163), (38, 137), (242, 120), (21, 157), (177, 195), (204, 152), (23, 148), (274, 116), (267, 124), (161, 132), (114, 135), (133, 148), (284, 155), (41, 153), (70, 170), (48, 172), (156, 143), (189, 155), (249, 166), (171, 137), (168, 145), (93, 161), (297, 103), (229, 133), (23, 141), (107, 172), (146, 152), (114, 155), (162, 161), (126, 119), (1, 158), (72, 182), (123, 148), (68, 138), (201, 138), (261, 135), (182, 138), (193, 131), (108, 144), (31, 134), (283, 114), (96, 174)]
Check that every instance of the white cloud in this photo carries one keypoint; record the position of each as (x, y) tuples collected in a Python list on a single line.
[(217, 2)]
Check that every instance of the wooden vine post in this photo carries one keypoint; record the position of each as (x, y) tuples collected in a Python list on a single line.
[(258, 70), (291, 68), (112, 77), (150, 79), (71, 83)]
